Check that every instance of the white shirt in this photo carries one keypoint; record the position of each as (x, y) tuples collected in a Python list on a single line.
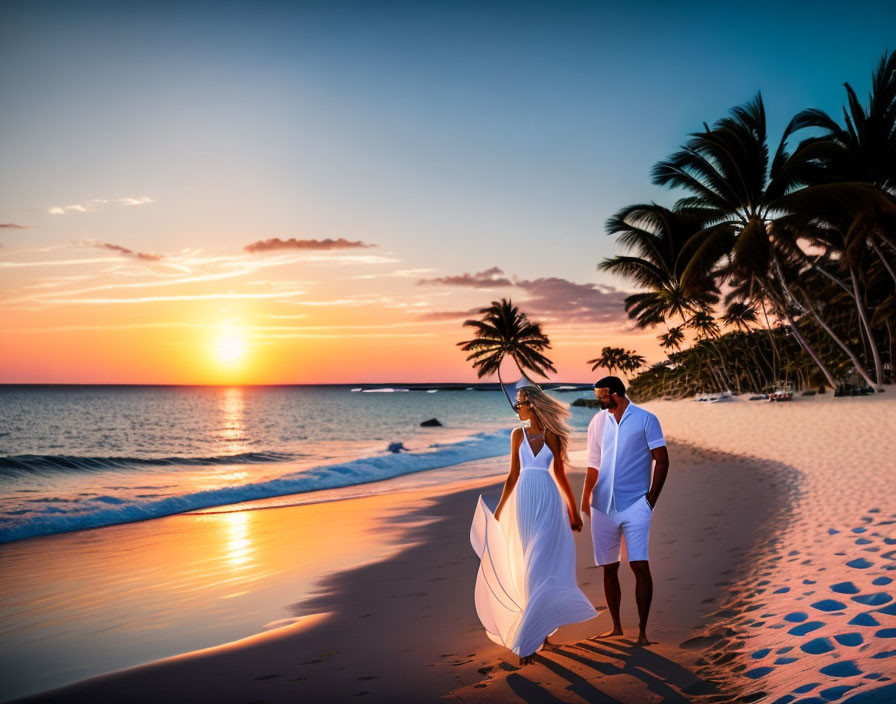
[(621, 453)]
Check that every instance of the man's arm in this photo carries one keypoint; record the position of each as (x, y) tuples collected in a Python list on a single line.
[(660, 470), (594, 432), (590, 483)]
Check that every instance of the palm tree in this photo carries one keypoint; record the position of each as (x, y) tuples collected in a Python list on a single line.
[(631, 362), (671, 339), (611, 359), (740, 316), (658, 236), (505, 330)]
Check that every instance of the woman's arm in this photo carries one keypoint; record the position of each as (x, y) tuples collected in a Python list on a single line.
[(515, 439), (575, 518)]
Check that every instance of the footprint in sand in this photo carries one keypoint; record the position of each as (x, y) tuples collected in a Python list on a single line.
[(859, 564), (850, 640), (846, 668), (865, 619), (785, 661), (805, 628), (845, 588), (880, 581), (829, 605), (796, 617), (817, 646), (886, 633), (802, 689), (758, 672), (873, 599), (888, 610), (833, 693)]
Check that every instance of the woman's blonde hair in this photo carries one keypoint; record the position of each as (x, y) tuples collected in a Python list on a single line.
[(551, 414)]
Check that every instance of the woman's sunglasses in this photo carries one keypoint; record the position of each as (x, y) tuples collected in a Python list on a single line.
[(517, 405)]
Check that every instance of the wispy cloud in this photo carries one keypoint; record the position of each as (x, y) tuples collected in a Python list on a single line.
[(12, 226), (189, 297), (145, 256), (275, 243), (95, 204), (490, 278), (442, 315)]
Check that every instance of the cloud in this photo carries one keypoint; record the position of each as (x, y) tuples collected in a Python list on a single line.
[(437, 315), (292, 243), (490, 278), (546, 299), (560, 299), (95, 204), (12, 226), (145, 256)]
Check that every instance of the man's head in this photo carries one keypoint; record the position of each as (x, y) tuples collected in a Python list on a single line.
[(608, 391)]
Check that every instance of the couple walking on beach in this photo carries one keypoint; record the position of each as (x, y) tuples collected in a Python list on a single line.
[(526, 587)]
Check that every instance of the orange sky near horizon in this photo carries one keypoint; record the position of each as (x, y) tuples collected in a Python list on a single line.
[(280, 317)]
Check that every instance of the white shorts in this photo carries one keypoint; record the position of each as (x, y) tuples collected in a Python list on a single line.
[(608, 529)]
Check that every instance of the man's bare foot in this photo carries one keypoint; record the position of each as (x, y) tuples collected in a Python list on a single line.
[(547, 643), (642, 641), (526, 660), (609, 634)]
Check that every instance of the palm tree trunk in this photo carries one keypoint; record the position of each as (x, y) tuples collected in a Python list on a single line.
[(776, 354), (883, 259), (863, 316), (859, 367), (796, 333), (500, 381)]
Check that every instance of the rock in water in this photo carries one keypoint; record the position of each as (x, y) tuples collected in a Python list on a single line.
[(397, 447), (431, 423)]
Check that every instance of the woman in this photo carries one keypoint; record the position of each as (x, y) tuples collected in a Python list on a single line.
[(526, 587)]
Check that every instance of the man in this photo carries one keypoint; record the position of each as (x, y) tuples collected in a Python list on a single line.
[(623, 442)]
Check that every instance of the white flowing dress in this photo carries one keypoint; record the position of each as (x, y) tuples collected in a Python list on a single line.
[(526, 587)]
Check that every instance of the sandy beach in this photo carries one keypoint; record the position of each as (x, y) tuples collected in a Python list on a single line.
[(772, 554)]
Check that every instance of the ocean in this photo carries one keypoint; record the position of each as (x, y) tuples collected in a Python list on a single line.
[(76, 457)]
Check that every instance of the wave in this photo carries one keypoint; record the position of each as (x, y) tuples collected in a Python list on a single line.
[(19, 465), (106, 510)]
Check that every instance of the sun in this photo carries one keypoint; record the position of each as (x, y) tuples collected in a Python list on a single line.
[(229, 348)]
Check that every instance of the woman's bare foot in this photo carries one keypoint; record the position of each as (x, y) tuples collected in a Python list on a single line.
[(642, 640), (609, 634), (547, 643)]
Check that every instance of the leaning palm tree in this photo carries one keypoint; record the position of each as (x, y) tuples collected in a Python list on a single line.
[(506, 331)]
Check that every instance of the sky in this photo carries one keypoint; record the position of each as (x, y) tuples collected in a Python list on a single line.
[(323, 192)]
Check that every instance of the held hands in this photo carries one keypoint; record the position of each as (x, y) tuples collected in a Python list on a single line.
[(586, 506), (575, 522)]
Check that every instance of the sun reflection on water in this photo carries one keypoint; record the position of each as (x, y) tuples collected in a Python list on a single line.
[(232, 412), (239, 549)]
